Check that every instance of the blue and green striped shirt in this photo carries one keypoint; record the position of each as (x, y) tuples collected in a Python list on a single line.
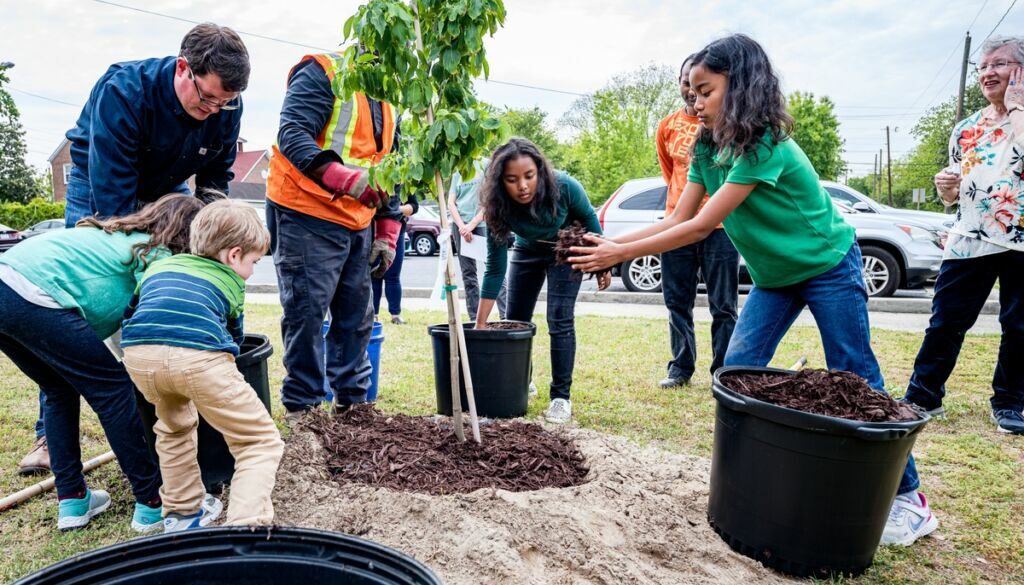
[(187, 301)]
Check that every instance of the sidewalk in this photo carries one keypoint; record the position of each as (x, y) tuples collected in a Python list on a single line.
[(891, 314)]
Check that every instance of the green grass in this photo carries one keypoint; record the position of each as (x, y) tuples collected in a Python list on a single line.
[(973, 475)]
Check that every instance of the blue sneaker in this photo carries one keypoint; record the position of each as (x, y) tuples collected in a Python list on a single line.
[(146, 519), (1009, 421), (77, 512), (208, 512)]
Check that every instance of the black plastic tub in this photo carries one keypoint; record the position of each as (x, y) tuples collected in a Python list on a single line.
[(215, 460), (802, 493), (239, 555), (499, 361)]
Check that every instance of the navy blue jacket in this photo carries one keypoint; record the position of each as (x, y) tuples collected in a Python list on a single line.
[(136, 142)]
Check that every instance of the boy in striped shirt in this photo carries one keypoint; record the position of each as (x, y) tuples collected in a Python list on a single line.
[(180, 338)]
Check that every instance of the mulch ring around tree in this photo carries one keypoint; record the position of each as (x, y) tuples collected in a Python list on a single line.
[(418, 454), (826, 392)]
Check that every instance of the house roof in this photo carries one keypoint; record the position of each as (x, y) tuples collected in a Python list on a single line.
[(252, 191), (245, 161), (56, 152)]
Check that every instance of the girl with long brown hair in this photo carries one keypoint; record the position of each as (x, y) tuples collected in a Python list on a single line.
[(61, 294)]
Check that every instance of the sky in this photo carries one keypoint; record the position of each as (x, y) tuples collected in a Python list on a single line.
[(882, 63)]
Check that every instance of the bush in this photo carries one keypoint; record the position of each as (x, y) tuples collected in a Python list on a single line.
[(22, 215)]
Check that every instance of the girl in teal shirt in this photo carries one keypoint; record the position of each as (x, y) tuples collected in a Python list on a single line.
[(523, 195), (799, 251), (61, 294)]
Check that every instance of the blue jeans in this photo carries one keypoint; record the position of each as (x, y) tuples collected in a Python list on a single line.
[(960, 293), (58, 350), (316, 274), (838, 300), (391, 284), (526, 274), (717, 259)]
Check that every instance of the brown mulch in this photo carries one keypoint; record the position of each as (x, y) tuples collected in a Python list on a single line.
[(567, 238), (418, 454), (826, 392), (507, 325)]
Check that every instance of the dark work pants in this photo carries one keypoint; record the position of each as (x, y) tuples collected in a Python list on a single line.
[(717, 259), (526, 274), (315, 274)]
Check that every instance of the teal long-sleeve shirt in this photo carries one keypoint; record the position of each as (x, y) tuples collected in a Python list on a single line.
[(573, 205)]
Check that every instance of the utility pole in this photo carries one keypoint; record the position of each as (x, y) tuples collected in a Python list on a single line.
[(878, 178), (888, 162), (963, 79), (874, 173)]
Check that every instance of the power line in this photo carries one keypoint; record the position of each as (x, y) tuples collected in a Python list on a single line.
[(43, 97), (950, 56), (994, 27)]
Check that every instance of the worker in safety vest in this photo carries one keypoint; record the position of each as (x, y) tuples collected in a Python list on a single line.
[(328, 226)]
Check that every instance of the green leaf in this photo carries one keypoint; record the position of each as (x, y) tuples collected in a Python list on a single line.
[(451, 129), (489, 123), (366, 58), (450, 59), (435, 130), (347, 31)]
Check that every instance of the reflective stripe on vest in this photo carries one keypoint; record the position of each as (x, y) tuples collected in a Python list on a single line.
[(349, 132)]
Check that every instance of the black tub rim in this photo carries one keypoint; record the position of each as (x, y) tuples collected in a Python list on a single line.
[(257, 354), (442, 330), (153, 548), (871, 431)]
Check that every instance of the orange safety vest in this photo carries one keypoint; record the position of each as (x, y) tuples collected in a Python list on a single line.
[(349, 132)]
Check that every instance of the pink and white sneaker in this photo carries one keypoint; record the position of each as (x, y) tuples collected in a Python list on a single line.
[(909, 519)]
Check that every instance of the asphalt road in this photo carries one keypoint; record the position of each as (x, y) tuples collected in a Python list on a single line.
[(420, 272)]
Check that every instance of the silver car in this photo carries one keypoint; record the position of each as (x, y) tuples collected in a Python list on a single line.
[(898, 252)]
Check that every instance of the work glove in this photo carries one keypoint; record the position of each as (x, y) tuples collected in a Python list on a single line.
[(355, 183), (385, 243)]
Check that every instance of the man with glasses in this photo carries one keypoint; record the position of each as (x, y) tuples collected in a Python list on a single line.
[(147, 127), (150, 125)]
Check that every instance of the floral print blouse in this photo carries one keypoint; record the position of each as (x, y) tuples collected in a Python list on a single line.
[(990, 218)]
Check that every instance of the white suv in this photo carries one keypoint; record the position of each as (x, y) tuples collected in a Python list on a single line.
[(899, 250)]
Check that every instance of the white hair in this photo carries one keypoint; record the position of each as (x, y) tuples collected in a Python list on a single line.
[(996, 43)]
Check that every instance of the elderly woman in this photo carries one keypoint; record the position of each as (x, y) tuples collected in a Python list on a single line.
[(986, 244)]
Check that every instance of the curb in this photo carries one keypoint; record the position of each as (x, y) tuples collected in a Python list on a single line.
[(920, 306)]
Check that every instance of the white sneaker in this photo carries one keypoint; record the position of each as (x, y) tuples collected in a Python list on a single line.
[(208, 512), (559, 412), (909, 519), (532, 391)]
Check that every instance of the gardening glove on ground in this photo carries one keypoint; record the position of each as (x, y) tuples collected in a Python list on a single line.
[(342, 180), (385, 243)]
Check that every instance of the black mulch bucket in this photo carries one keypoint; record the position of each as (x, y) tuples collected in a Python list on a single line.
[(802, 493), (215, 460), (499, 361), (239, 555)]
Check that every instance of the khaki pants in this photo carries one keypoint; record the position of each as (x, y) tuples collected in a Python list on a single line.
[(180, 382)]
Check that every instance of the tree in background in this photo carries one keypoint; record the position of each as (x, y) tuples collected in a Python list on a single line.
[(931, 154), (532, 125), (816, 130), (17, 181), (614, 129)]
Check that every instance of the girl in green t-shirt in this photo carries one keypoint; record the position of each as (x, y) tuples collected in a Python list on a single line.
[(799, 251)]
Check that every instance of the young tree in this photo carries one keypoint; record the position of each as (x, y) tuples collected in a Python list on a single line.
[(816, 130), (423, 58), (17, 181)]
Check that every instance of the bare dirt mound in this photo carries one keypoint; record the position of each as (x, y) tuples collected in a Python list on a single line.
[(640, 518)]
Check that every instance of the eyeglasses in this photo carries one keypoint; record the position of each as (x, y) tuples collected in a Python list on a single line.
[(227, 106), (995, 66)]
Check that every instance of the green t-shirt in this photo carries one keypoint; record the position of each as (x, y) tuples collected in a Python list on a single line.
[(533, 234), (787, 229)]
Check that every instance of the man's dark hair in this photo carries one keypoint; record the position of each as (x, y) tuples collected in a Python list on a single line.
[(210, 48)]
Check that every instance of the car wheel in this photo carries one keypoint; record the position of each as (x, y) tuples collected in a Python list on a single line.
[(642, 274), (881, 271), (424, 244)]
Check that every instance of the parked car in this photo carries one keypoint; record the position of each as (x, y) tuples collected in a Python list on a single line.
[(44, 226), (9, 237), (422, 230), (860, 202), (898, 252)]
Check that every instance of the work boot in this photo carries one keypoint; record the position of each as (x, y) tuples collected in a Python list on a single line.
[(37, 460), (673, 382)]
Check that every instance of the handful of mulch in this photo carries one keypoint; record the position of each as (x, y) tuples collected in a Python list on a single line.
[(826, 392), (569, 237), (420, 454)]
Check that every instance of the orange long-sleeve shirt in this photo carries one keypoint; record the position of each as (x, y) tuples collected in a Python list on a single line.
[(676, 134)]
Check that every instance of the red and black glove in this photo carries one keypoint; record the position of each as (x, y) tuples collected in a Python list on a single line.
[(384, 246), (355, 183)]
